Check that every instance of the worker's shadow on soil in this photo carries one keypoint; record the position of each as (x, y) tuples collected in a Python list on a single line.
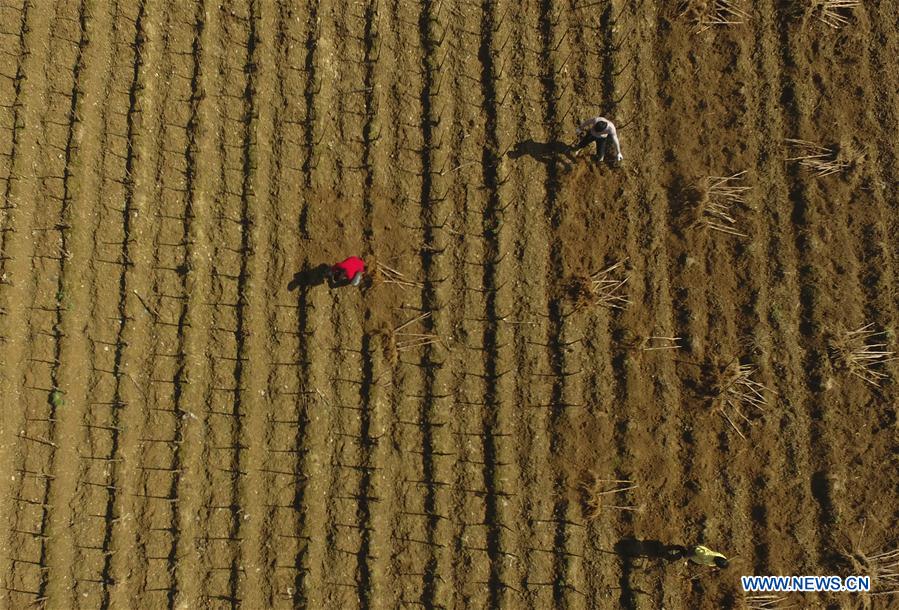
[(310, 276), (650, 549), (544, 152), (633, 549)]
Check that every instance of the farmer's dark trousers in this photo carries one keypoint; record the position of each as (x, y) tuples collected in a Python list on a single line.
[(600, 144)]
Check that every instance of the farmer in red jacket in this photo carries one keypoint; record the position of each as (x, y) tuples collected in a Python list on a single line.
[(349, 271)]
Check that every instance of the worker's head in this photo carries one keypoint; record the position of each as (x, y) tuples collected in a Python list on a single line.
[(721, 562)]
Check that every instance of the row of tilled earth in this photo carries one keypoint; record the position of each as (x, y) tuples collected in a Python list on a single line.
[(188, 421)]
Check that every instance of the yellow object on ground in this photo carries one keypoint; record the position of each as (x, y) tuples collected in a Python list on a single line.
[(704, 556)]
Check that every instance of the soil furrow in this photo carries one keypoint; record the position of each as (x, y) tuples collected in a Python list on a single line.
[(12, 318), (498, 481), (471, 569), (463, 245), (566, 352), (528, 319), (433, 215), (25, 541), (192, 418), (846, 271), (397, 83), (601, 237), (100, 484), (374, 545), (225, 42), (650, 289), (780, 269), (118, 501), (12, 107), (848, 244), (804, 215), (70, 351), (337, 314), (319, 405), (256, 313), (759, 465), (879, 275), (282, 462), (240, 30), (193, 212), (155, 456), (294, 401), (171, 34)]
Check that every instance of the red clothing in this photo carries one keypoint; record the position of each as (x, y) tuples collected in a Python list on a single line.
[(350, 267)]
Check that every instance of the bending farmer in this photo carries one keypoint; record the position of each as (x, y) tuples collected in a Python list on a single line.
[(599, 130), (348, 271), (698, 554)]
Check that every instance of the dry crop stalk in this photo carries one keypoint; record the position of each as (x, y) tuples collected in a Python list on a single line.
[(607, 286), (828, 11), (884, 571), (405, 340), (388, 275), (820, 160), (737, 390), (720, 194), (859, 357), (648, 343), (764, 602), (709, 13), (882, 567), (597, 488)]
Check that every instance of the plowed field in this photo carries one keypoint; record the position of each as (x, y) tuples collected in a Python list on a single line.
[(188, 422)]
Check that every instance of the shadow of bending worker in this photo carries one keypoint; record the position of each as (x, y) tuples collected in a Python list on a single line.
[(651, 549), (544, 152), (309, 276)]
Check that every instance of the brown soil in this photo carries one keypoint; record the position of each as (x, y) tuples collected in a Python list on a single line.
[(190, 419)]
